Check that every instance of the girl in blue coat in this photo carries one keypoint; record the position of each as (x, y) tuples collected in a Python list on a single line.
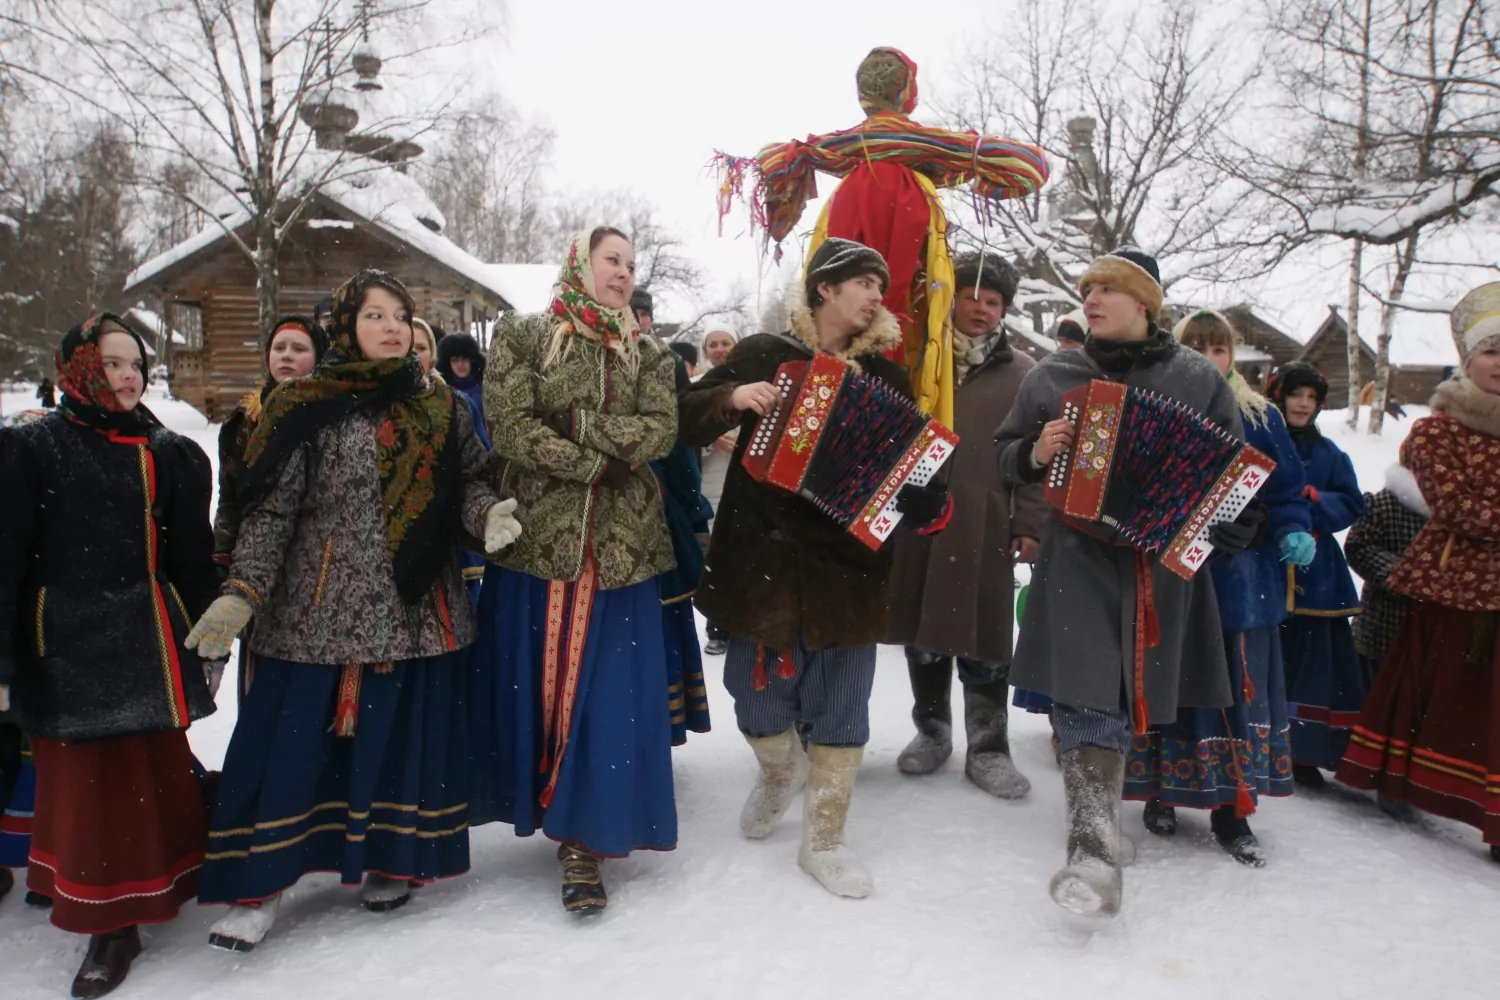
[(1325, 686), (1190, 763)]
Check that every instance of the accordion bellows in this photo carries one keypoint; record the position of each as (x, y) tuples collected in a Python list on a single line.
[(1153, 469), (847, 442)]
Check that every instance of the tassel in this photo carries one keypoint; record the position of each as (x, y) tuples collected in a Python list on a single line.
[(1244, 804), (785, 668), (1147, 634), (1142, 712), (346, 715), (758, 679)]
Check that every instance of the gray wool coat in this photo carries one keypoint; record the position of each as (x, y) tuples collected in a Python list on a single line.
[(1077, 641), (952, 593)]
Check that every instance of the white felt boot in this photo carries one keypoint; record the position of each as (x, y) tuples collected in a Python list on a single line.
[(1091, 885), (783, 772), (830, 788), (244, 927)]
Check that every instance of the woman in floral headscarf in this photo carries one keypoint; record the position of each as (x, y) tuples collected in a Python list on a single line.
[(570, 726), (105, 556), (350, 750)]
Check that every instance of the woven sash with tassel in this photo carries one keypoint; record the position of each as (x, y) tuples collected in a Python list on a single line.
[(346, 714), (567, 627)]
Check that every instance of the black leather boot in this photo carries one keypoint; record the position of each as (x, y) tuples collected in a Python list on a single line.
[(107, 962)]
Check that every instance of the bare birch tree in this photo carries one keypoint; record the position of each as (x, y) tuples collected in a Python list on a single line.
[(1416, 151), (1128, 116)]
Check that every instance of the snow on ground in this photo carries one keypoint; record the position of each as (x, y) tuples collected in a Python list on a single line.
[(1352, 904)]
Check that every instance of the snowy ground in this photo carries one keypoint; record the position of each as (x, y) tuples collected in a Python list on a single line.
[(1351, 905)]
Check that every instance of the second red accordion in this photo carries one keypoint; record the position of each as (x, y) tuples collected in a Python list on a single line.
[(847, 442), (1156, 471)]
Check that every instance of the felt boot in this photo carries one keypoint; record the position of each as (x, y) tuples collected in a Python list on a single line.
[(1090, 884), (244, 927), (987, 761), (783, 772), (932, 711), (830, 788)]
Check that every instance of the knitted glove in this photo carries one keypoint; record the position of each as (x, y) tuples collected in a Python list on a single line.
[(1310, 492), (1234, 537), (4, 697), (500, 526), (923, 504), (213, 672), (1298, 548), (225, 618)]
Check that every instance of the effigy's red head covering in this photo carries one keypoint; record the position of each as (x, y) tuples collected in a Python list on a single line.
[(887, 81)]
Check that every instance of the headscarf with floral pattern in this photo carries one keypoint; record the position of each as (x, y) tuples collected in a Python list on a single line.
[(577, 313), (86, 395), (416, 450)]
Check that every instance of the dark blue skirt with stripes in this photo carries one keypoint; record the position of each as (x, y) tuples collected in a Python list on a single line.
[(294, 798), (687, 691), (611, 790), (16, 808)]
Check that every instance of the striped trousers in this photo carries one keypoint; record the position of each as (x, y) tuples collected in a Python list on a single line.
[(1076, 727), (827, 697)]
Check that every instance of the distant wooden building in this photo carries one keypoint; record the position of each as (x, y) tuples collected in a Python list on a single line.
[(1421, 356), (369, 214)]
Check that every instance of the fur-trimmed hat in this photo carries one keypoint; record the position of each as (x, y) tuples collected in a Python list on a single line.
[(1132, 271), (1290, 377), (460, 345), (990, 271), (1074, 326), (641, 302), (1476, 319), (838, 260)]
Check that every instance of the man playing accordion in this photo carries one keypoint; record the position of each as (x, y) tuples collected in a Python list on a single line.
[(803, 600), (1116, 640)]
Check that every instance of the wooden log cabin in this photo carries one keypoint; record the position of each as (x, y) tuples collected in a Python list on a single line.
[(1421, 355), (207, 287)]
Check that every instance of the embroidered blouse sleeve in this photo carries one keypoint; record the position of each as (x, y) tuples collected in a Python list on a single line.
[(651, 431), (510, 408), (1435, 457)]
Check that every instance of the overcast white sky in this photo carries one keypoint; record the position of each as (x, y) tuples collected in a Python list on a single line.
[(641, 94)]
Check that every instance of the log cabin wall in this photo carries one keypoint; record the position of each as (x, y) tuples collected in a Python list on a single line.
[(1329, 355), (315, 259)]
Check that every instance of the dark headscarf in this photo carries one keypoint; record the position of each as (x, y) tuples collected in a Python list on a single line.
[(416, 450), (86, 395), (1288, 379)]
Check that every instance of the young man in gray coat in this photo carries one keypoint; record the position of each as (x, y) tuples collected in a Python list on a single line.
[(1078, 644), (952, 594)]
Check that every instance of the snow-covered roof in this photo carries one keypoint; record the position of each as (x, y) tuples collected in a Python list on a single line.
[(187, 248), (1247, 352), (372, 193), (527, 287), (152, 321)]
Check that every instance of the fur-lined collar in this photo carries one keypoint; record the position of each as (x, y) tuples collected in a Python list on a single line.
[(1403, 486), (1469, 405), (250, 403), (882, 336)]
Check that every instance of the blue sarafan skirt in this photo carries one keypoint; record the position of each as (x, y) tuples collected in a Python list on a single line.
[(17, 810), (295, 798), (1198, 761), (1325, 687), (569, 713), (687, 691)]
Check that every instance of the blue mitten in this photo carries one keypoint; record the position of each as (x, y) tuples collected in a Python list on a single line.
[(1298, 548)]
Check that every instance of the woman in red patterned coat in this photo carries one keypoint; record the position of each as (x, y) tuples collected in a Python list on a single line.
[(1430, 731)]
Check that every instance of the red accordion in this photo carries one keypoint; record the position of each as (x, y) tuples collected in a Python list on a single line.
[(847, 442), (1156, 471)]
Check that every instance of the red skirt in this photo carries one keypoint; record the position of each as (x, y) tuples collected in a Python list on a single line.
[(1430, 730), (119, 830)]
